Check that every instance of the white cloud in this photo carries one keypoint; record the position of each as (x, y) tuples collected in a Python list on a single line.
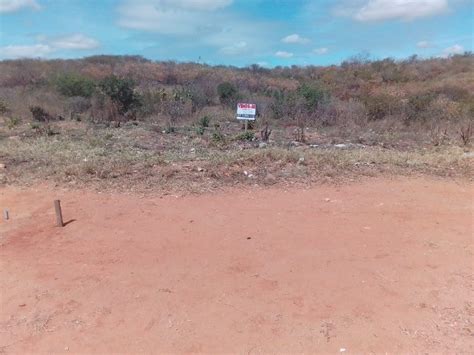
[(76, 41), (170, 16), (16, 5), (197, 23), (320, 51), (204, 5), (33, 51), (283, 54), (424, 44), (49, 46), (234, 49), (295, 38), (456, 49), (379, 10)]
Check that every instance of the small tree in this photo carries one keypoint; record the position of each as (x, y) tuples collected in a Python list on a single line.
[(313, 96), (122, 94), (71, 85), (228, 93)]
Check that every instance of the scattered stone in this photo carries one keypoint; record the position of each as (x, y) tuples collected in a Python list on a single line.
[(262, 145), (245, 172), (327, 199), (200, 169), (270, 179), (468, 154), (3, 166), (301, 161), (341, 350), (340, 145)]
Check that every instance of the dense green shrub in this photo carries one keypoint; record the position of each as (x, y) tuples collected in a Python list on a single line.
[(227, 92), (313, 95), (277, 107), (13, 122), (204, 121), (75, 85), (245, 136), (122, 93)]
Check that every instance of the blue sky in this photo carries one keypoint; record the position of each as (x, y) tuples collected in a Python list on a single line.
[(236, 32)]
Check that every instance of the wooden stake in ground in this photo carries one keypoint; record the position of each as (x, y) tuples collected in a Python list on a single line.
[(59, 214), (6, 215)]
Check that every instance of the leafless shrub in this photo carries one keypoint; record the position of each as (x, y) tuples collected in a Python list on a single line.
[(345, 113), (265, 133), (466, 132), (175, 108), (40, 114), (77, 105), (104, 110), (3, 107), (438, 135)]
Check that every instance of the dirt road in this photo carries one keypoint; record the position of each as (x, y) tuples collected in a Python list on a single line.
[(382, 265)]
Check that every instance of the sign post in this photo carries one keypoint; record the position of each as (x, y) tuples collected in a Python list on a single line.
[(246, 112)]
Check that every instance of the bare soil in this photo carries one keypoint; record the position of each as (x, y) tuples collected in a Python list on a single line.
[(375, 266)]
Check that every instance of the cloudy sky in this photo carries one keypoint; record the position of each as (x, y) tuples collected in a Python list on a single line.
[(236, 32)]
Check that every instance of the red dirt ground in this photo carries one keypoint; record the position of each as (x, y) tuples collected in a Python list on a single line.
[(383, 265)]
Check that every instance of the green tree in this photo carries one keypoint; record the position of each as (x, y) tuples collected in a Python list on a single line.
[(313, 95), (121, 92), (228, 93), (75, 85)]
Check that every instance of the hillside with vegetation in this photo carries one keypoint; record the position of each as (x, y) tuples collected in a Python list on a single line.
[(164, 124)]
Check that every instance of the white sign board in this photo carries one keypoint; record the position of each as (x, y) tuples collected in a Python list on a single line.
[(246, 111)]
